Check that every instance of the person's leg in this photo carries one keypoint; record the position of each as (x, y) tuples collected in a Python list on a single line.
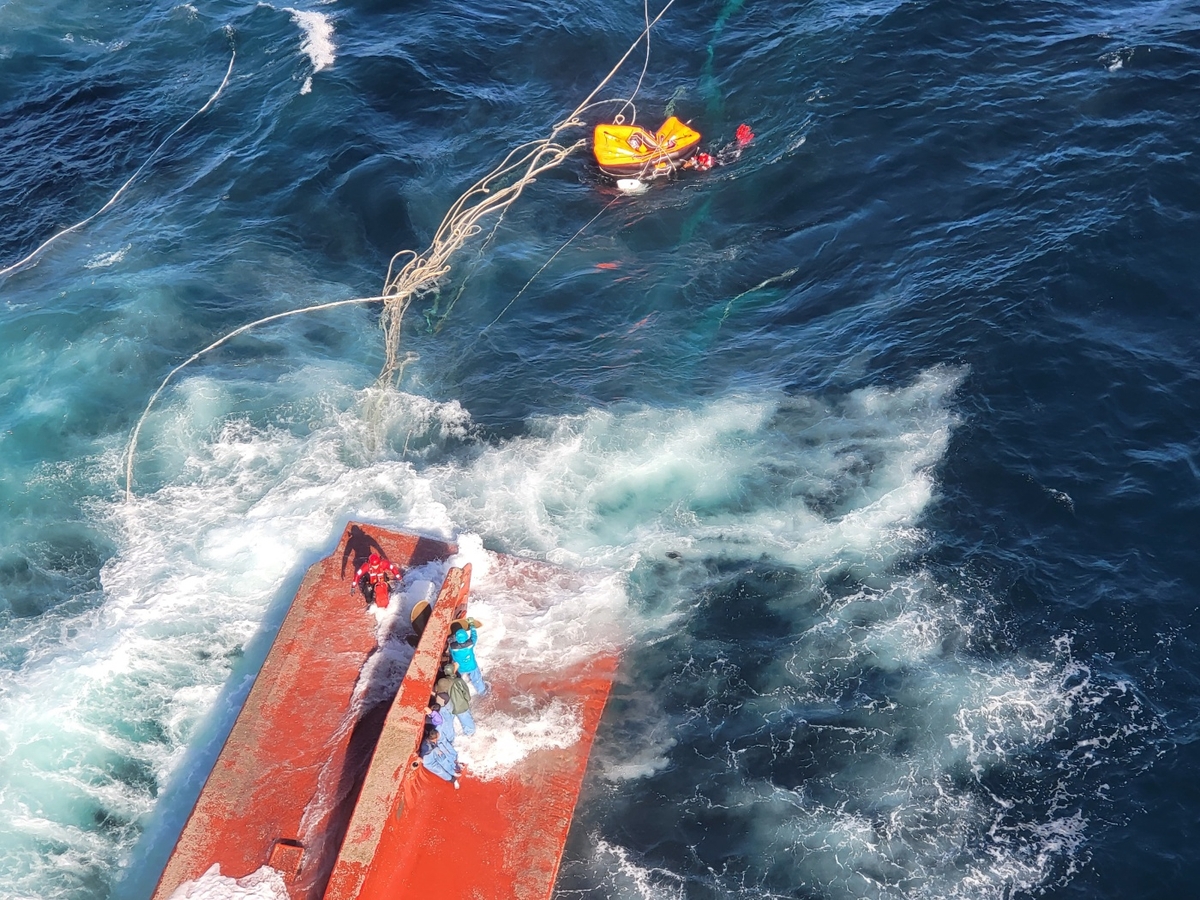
[(438, 770), (475, 679), (467, 721)]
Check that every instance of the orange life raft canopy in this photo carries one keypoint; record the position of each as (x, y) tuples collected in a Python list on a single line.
[(631, 151)]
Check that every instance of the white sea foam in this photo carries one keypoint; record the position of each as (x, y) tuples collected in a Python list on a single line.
[(263, 884), (935, 789), (822, 487), (503, 738), (625, 879), (104, 260), (318, 44), (1116, 59)]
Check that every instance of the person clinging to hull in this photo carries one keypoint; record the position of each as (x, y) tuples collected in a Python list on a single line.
[(459, 707), (440, 757), (437, 715), (462, 652)]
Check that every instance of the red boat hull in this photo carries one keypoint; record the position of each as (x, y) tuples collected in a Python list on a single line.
[(327, 793)]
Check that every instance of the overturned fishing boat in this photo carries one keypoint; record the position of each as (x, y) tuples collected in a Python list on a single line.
[(630, 151), (317, 793)]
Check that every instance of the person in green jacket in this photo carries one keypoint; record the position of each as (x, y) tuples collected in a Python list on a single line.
[(459, 707)]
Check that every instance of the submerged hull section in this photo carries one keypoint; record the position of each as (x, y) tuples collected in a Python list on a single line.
[(326, 791)]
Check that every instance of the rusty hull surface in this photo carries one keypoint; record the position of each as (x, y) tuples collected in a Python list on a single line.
[(296, 743), (414, 835), (398, 831)]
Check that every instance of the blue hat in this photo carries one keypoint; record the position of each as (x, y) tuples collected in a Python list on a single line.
[(462, 637)]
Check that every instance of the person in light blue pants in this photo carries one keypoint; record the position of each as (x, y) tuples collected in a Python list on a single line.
[(440, 759), (459, 707)]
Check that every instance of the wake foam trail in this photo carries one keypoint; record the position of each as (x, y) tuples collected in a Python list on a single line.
[(795, 679), (819, 703), (925, 774)]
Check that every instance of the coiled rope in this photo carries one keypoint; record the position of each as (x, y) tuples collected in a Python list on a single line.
[(461, 222)]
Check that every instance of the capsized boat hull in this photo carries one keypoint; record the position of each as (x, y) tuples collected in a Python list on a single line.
[(326, 791), (627, 151)]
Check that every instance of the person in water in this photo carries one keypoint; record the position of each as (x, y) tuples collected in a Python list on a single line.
[(462, 652), (376, 569), (459, 707), (440, 758)]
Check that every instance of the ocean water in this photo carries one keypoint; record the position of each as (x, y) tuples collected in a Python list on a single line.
[(876, 449)]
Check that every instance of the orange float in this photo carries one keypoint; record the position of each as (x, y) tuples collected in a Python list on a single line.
[(630, 151)]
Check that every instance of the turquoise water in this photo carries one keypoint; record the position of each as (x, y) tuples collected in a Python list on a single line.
[(877, 445)]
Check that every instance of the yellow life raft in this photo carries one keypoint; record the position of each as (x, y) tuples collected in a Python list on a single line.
[(629, 150)]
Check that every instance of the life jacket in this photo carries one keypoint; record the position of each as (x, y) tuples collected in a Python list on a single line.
[(373, 573)]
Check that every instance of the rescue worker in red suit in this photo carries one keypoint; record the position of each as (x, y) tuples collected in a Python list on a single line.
[(374, 570)]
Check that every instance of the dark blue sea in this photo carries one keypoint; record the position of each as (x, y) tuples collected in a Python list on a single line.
[(877, 446)]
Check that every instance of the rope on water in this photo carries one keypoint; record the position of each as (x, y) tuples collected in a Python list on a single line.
[(550, 260), (421, 273), (112, 200), (645, 66), (485, 197), (774, 279), (133, 438)]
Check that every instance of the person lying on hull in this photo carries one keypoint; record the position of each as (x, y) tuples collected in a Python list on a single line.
[(373, 578)]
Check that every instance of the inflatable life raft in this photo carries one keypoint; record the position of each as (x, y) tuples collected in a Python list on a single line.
[(627, 151)]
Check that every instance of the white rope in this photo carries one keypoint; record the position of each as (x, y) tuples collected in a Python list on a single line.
[(461, 222), (199, 353), (112, 200), (645, 66), (423, 271), (550, 260)]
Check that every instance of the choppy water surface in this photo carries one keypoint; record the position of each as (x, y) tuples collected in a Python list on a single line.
[(875, 448)]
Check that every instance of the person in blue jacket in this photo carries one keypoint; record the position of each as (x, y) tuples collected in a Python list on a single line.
[(462, 651), (440, 758)]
